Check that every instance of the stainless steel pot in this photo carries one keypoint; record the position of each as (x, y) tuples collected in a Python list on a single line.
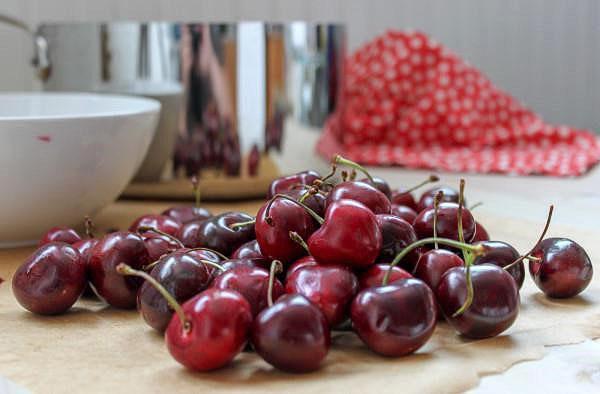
[(238, 81)]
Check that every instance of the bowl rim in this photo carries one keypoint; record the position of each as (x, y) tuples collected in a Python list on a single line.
[(142, 105)]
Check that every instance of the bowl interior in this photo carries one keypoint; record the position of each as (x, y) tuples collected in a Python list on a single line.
[(32, 106)]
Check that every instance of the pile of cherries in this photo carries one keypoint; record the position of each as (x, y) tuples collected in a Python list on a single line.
[(320, 255)]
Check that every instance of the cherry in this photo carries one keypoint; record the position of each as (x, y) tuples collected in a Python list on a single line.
[(396, 234), (252, 262), (495, 300), (560, 268), (284, 184), (426, 200), (375, 274), (185, 214), (275, 220), (349, 235), (405, 197), (215, 233), (395, 320), (252, 283), (447, 222), (159, 245), (183, 275), (162, 223), (292, 334), (84, 247), (248, 250), (50, 280), (481, 233), (404, 212), (305, 261), (433, 264), (60, 234), (379, 184), (329, 287), (315, 201), (111, 250), (502, 254), (362, 192)]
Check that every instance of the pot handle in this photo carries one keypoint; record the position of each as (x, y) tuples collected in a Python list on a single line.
[(41, 58)]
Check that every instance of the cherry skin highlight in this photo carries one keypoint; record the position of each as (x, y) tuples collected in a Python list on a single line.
[(426, 200), (163, 223), (50, 280), (362, 192), (60, 234), (248, 250), (564, 269), (379, 184)]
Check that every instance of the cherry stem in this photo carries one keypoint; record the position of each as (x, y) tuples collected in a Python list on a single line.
[(436, 204), (312, 213), (352, 176), (477, 250), (124, 269), (476, 205), (234, 226), (145, 229), (294, 236), (469, 258), (344, 176), (89, 227), (276, 267), (331, 173), (337, 159), (312, 190), (196, 189), (540, 239), (533, 258), (432, 179), (221, 255), (461, 202)]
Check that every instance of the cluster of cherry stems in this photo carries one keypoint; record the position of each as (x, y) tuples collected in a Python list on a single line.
[(320, 255)]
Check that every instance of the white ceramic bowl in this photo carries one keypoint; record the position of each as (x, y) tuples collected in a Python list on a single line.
[(66, 155)]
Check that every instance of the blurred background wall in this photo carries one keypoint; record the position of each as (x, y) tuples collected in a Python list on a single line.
[(545, 52)]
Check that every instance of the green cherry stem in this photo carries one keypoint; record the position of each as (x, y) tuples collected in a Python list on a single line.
[(475, 249), (432, 179), (294, 236), (276, 267), (540, 239), (145, 229), (331, 173), (337, 159), (476, 205), (312, 213), (124, 269), (235, 226), (436, 204), (221, 255)]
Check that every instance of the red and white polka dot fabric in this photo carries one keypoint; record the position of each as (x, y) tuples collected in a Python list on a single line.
[(409, 101)]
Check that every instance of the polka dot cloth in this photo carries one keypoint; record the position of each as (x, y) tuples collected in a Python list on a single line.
[(408, 101)]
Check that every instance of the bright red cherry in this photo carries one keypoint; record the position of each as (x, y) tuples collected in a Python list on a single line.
[(60, 234), (292, 335), (362, 192), (349, 236), (329, 287), (395, 320), (404, 212), (495, 303), (563, 268), (306, 261), (110, 251), (447, 222), (162, 223), (373, 276), (50, 280)]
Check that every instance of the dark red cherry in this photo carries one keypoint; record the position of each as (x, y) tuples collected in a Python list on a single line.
[(434, 263), (84, 247), (284, 184), (292, 335), (396, 235), (159, 245), (251, 282), (274, 222), (329, 287), (246, 261), (495, 303), (187, 213), (182, 275), (60, 234), (215, 330), (110, 251), (362, 192), (379, 184), (404, 212), (163, 223), (447, 222), (373, 277), (305, 261), (215, 233), (426, 200), (563, 270), (481, 233), (248, 250), (316, 202), (502, 254), (395, 320), (404, 198), (50, 280), (349, 236)]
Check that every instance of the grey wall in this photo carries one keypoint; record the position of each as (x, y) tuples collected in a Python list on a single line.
[(545, 52)]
